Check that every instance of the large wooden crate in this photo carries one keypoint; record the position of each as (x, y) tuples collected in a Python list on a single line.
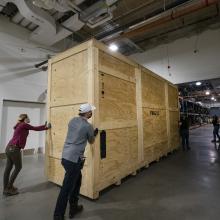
[(136, 108)]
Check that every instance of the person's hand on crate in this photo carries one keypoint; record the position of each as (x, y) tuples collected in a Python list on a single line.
[(96, 131), (47, 125)]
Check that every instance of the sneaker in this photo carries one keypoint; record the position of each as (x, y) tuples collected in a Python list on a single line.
[(75, 209), (5, 192), (14, 188), (10, 192)]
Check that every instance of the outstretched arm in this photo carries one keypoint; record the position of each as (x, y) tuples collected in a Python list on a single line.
[(36, 128)]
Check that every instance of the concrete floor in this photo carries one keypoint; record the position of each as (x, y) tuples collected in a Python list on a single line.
[(183, 186)]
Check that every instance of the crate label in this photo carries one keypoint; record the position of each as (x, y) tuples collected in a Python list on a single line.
[(155, 113)]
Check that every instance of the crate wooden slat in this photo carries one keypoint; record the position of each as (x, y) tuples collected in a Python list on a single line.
[(136, 108)]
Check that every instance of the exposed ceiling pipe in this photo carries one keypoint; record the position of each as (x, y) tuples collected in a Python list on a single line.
[(48, 32), (164, 18), (116, 31), (37, 16)]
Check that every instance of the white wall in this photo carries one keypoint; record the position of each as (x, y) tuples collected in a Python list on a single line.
[(22, 90), (10, 113), (19, 79), (185, 65)]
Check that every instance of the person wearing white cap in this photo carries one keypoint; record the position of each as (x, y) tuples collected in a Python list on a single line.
[(79, 132)]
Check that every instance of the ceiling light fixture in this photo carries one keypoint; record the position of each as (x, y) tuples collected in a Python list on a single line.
[(198, 83), (207, 93), (113, 47), (213, 98)]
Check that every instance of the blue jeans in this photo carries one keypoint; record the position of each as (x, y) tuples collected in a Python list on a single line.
[(70, 188), (215, 132), (185, 138)]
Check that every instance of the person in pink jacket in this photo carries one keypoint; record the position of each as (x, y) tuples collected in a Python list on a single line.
[(13, 152)]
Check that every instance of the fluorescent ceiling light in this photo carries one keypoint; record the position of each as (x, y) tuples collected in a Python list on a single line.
[(113, 47), (207, 93), (198, 83), (213, 98)]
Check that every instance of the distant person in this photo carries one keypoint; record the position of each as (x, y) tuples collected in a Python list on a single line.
[(184, 132), (200, 120), (79, 132), (13, 152), (215, 123)]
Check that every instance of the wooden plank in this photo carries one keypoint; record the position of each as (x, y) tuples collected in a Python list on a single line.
[(153, 91), (107, 125), (92, 69), (139, 104), (56, 173), (112, 64), (71, 71), (70, 52), (118, 74), (155, 130), (167, 115), (173, 97), (96, 153), (148, 153), (60, 117), (149, 72), (48, 134), (117, 103), (121, 155)]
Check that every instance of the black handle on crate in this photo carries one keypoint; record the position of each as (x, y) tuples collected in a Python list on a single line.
[(103, 144)]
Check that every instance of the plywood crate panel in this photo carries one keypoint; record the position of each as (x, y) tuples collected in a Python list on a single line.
[(134, 107), (155, 131), (121, 156), (65, 74), (153, 90), (173, 117)]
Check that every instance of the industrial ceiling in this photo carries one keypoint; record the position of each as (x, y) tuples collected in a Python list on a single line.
[(136, 26)]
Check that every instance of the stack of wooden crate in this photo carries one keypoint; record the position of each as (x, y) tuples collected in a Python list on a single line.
[(137, 114)]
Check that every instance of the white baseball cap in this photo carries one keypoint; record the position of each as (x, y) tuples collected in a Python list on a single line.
[(86, 108)]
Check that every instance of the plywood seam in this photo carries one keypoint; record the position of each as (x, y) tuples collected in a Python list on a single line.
[(57, 106), (69, 52), (48, 133), (116, 74), (96, 161), (139, 103), (154, 108), (68, 57), (146, 71)]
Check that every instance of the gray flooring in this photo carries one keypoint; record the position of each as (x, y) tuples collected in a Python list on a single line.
[(183, 186)]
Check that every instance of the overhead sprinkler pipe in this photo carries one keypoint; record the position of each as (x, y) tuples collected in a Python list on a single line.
[(164, 18)]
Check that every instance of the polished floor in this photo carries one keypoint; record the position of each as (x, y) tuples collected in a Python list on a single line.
[(182, 186)]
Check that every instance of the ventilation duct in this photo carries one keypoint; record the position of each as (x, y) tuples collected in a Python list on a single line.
[(98, 13), (47, 32), (59, 5), (94, 15)]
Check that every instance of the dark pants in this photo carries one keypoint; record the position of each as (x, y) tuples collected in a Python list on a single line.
[(215, 132), (13, 155), (70, 188), (185, 138)]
